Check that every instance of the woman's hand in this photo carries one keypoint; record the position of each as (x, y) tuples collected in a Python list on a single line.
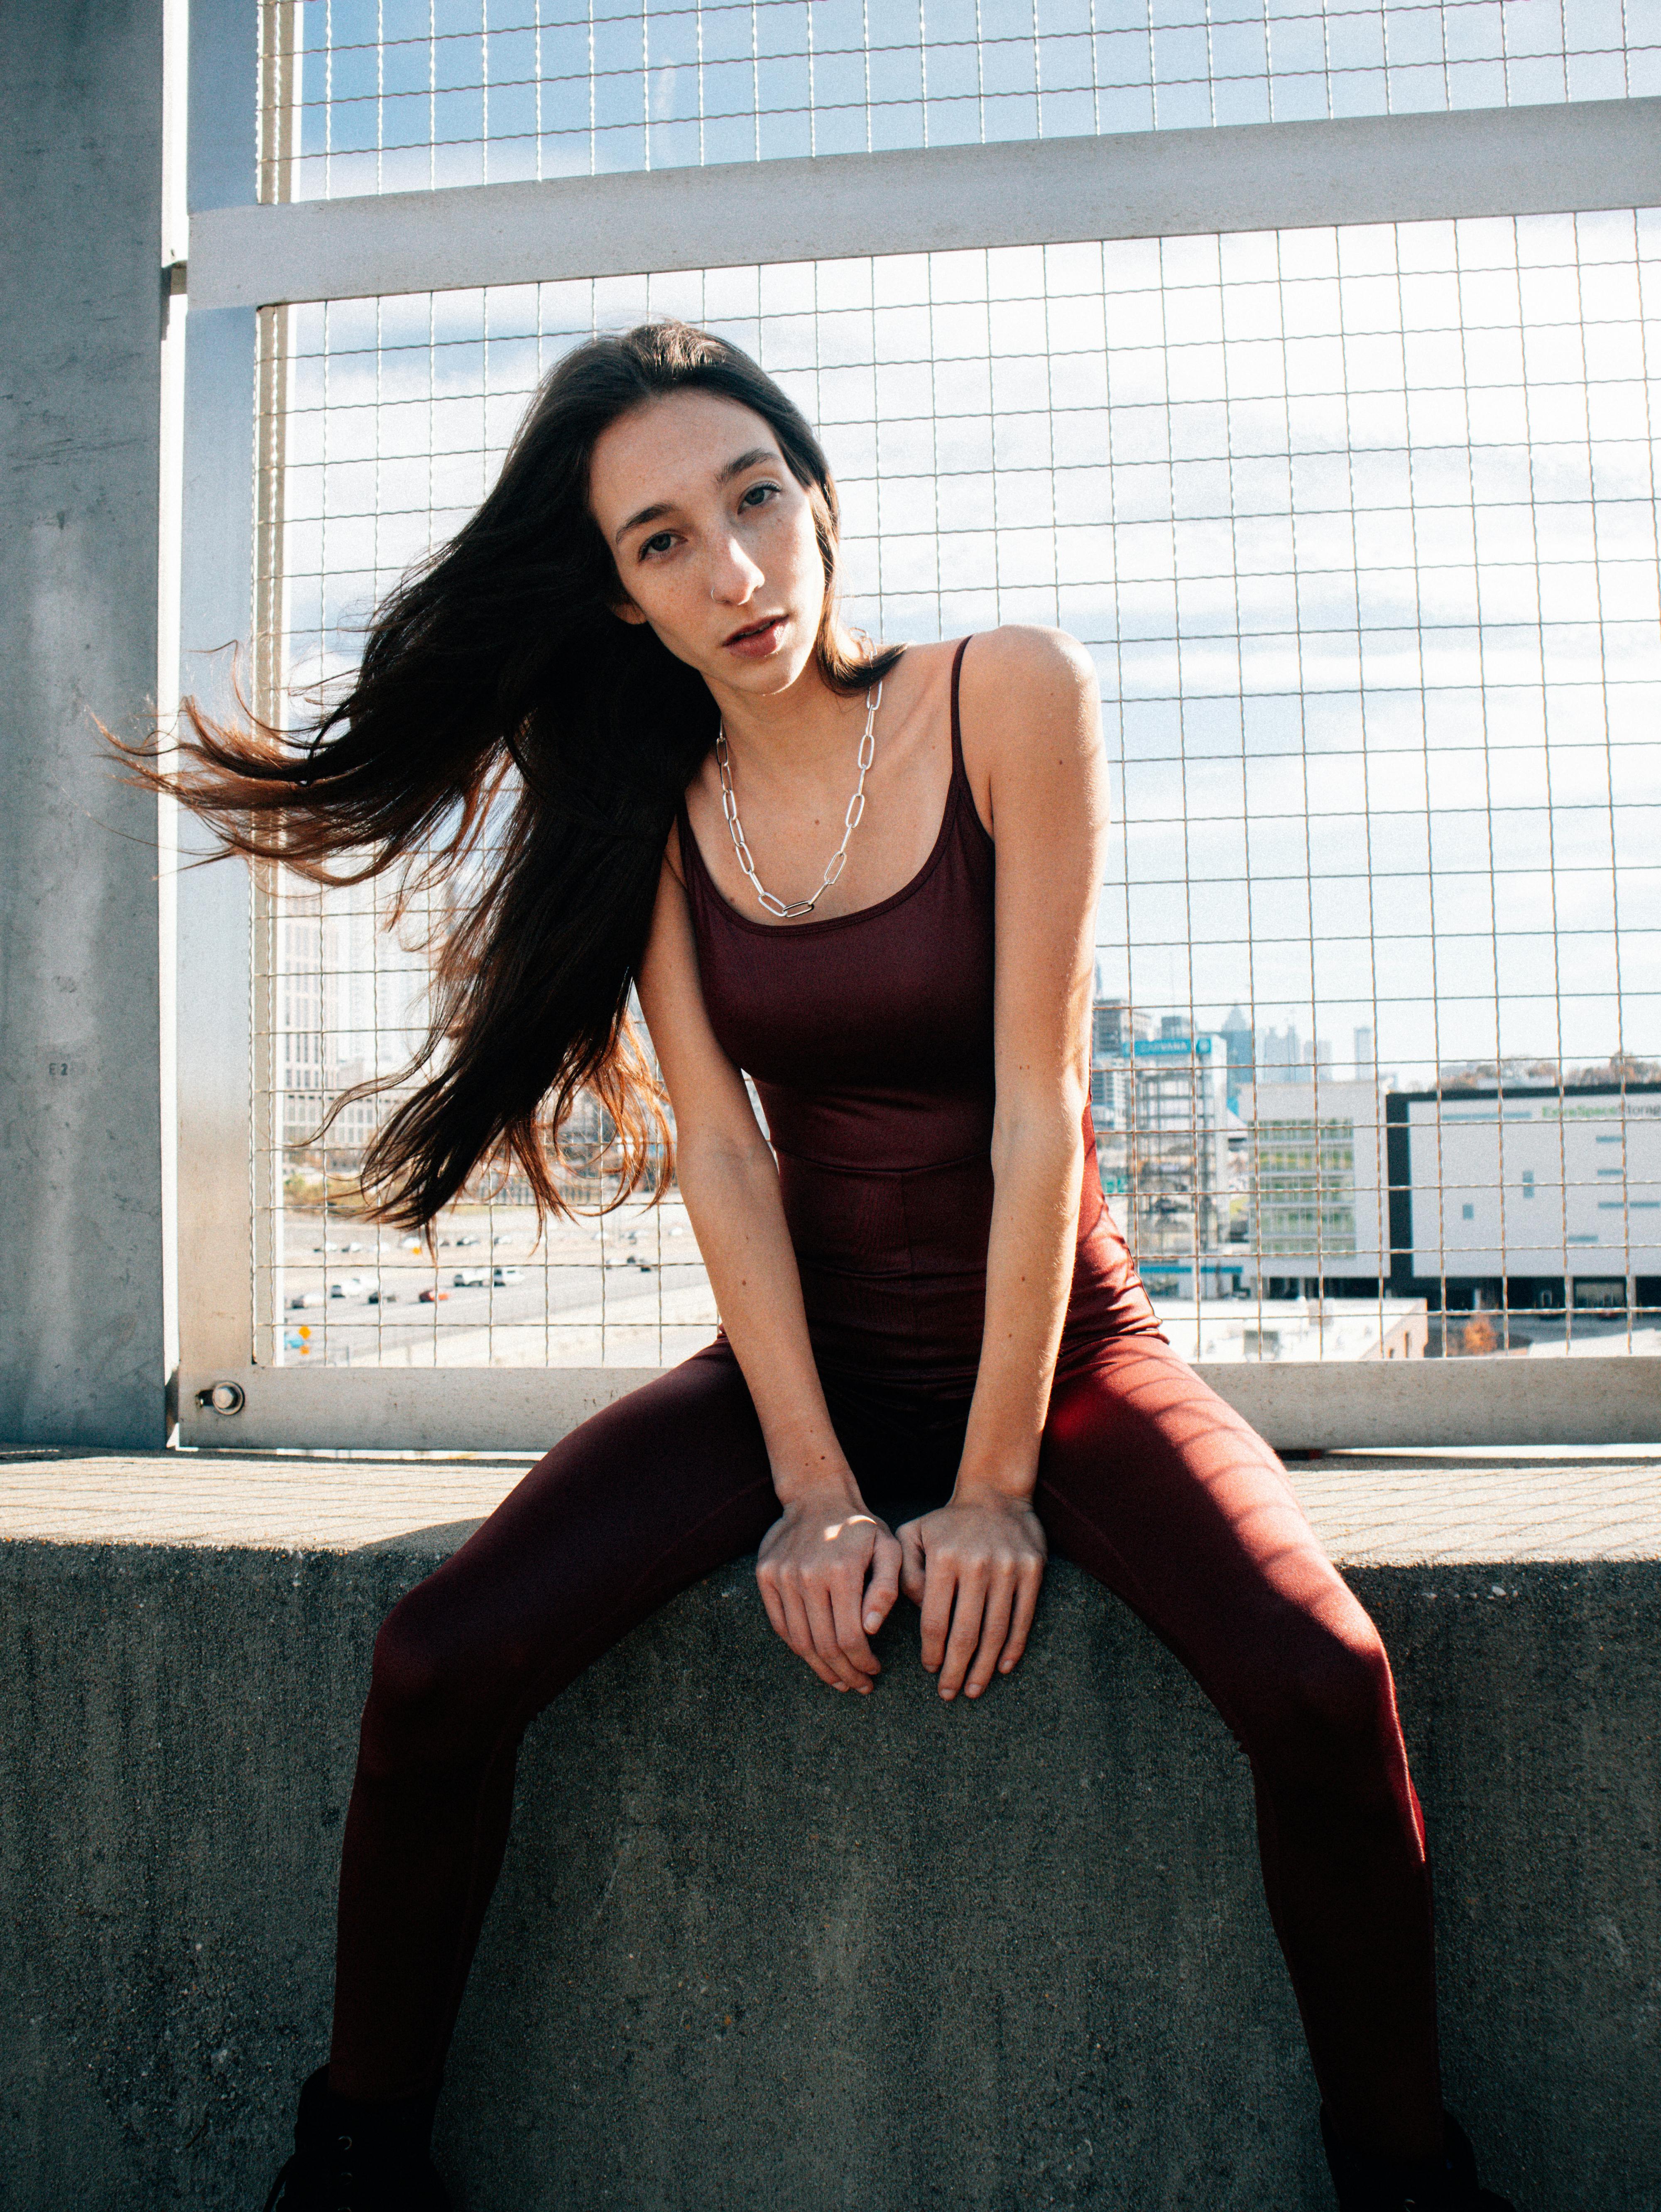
[(814, 1569), (974, 1567)]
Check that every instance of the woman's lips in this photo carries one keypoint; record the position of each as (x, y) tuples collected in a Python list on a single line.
[(756, 642)]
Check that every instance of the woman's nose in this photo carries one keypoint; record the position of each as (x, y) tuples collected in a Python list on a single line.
[(733, 575)]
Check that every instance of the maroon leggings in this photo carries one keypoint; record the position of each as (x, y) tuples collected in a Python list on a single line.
[(1146, 1478)]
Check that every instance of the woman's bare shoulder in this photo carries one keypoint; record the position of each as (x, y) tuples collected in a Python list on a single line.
[(1028, 656), (1025, 690)]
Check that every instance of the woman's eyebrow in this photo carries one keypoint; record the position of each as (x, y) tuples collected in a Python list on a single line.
[(647, 514), (746, 461), (659, 508)]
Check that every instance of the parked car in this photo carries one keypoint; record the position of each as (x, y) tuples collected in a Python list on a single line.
[(350, 1287), (429, 1297), (305, 1298), (469, 1240), (383, 1298), (471, 1278), (504, 1275)]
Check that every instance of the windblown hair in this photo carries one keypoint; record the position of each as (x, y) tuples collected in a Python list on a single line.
[(507, 737)]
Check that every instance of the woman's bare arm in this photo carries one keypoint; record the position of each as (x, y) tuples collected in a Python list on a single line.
[(1030, 697), (815, 1562)]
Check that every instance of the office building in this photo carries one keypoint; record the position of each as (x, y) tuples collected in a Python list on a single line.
[(1170, 1149), (1318, 1205), (347, 1002), (1528, 1199)]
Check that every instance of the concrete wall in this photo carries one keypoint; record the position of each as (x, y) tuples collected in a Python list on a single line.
[(767, 1950), (81, 1344)]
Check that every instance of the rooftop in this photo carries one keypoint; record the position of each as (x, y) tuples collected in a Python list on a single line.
[(1445, 1508)]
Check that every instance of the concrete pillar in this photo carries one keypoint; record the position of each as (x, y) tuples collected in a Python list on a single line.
[(82, 1326)]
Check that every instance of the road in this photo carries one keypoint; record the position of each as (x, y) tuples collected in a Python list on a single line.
[(630, 1290)]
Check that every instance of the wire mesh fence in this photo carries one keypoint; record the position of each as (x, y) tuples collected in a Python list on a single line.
[(1359, 526), (390, 95)]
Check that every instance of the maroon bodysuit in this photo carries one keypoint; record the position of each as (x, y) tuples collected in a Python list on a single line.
[(869, 1036), (869, 1039)]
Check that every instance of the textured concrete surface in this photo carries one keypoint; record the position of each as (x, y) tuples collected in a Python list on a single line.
[(81, 1320), (1602, 1503), (757, 1947)]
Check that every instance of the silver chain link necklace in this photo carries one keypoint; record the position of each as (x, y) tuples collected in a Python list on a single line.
[(794, 910)]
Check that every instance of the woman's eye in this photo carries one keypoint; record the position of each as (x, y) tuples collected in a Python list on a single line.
[(658, 543), (756, 494)]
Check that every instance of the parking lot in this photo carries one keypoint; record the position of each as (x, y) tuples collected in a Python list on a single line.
[(629, 1290), (626, 1290)]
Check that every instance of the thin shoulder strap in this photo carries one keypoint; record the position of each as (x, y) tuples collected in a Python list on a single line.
[(958, 768), (694, 873)]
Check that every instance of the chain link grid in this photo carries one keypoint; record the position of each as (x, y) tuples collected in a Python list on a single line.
[(1360, 528), (397, 95)]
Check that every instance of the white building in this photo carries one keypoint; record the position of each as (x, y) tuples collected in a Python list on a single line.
[(1318, 1188), (347, 1002), (1286, 1329), (1521, 1192)]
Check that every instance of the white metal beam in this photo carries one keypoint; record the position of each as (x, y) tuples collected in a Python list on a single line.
[(1254, 176), (1328, 1405), (214, 1216)]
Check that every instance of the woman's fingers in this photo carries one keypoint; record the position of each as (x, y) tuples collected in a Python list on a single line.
[(767, 1583), (966, 1618), (939, 1588), (811, 1574), (1026, 1604), (827, 1644), (799, 1633), (914, 1573), (977, 1589), (844, 1595), (995, 1628), (885, 1584)]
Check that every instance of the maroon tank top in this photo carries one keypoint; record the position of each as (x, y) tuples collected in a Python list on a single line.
[(869, 1038)]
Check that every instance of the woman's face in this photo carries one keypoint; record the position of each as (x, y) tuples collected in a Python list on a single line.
[(713, 538)]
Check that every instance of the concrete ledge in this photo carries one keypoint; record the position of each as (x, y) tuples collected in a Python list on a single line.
[(759, 1947), (1298, 1405), (1603, 1502)]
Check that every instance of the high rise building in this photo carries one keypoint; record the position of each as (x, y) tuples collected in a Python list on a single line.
[(1279, 1056), (1161, 1109), (348, 1003), (1178, 1161), (1239, 1044), (1115, 1025)]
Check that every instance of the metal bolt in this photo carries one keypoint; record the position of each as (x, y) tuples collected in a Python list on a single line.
[(222, 1398)]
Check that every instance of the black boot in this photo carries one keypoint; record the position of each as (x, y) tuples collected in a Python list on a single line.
[(351, 2157), (1447, 2183)]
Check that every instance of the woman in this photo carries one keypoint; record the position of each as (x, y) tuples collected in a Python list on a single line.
[(869, 879)]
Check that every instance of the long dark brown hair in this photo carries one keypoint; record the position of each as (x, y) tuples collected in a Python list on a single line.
[(506, 729)]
